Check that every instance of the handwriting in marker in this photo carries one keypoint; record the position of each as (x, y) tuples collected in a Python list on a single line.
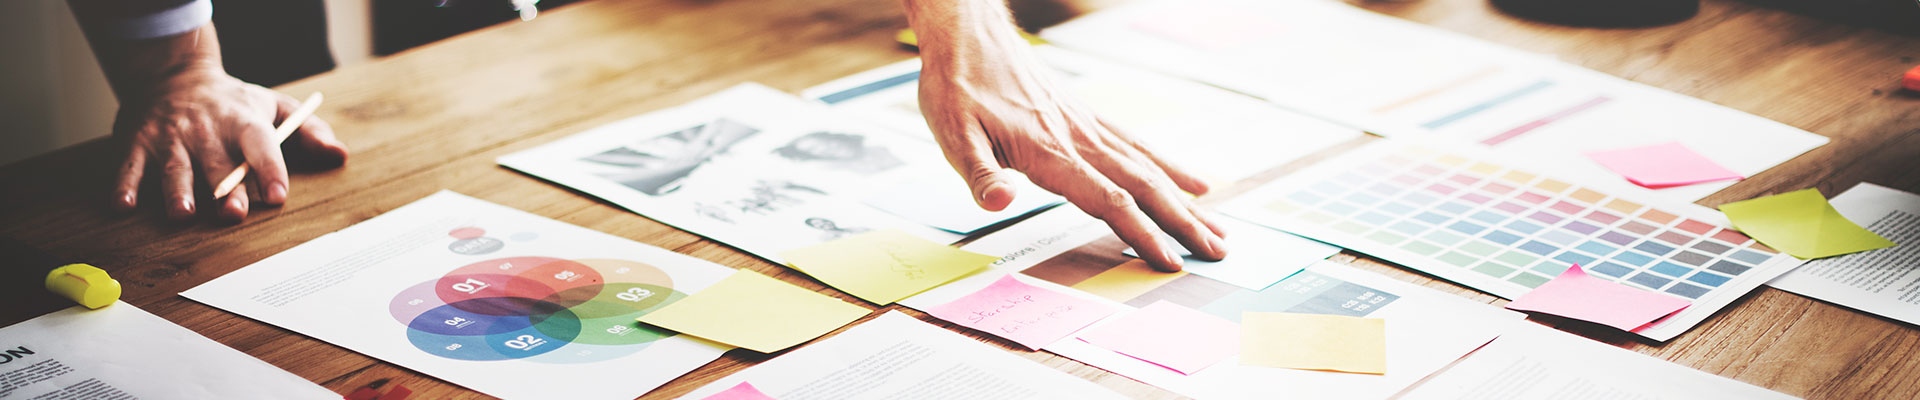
[(1029, 315)]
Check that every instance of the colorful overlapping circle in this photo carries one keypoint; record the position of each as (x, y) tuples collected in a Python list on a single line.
[(540, 309)]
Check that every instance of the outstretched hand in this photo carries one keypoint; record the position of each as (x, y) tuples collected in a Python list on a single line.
[(992, 109)]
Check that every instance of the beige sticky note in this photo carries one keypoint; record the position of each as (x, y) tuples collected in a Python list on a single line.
[(1127, 281), (1314, 342), (755, 311), (885, 266)]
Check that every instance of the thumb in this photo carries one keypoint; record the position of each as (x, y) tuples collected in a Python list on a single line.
[(972, 155)]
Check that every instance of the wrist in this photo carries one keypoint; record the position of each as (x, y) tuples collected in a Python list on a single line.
[(958, 30)]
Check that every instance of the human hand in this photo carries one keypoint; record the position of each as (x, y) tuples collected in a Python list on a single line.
[(990, 109), (198, 123)]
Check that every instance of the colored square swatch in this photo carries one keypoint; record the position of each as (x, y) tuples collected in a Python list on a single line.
[(1662, 165), (1576, 295), (1169, 335), (1314, 342)]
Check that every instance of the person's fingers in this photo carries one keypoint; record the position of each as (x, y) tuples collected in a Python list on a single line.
[(1089, 190), (315, 137), (972, 155), (126, 190), (1186, 180), (233, 209), (177, 181), (1151, 190), (1158, 170), (262, 152)]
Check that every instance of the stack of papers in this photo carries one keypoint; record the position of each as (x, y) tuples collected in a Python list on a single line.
[(897, 357)]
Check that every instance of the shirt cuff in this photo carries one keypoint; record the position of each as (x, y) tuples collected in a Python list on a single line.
[(169, 22)]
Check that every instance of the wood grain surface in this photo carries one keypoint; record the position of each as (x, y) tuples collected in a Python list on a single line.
[(435, 117)]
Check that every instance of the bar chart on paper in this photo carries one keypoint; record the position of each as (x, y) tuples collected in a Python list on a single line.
[(1506, 231)]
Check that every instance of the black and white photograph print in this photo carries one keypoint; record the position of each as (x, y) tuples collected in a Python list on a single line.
[(660, 165), (840, 151)]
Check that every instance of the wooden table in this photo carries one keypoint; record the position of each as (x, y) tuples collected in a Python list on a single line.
[(435, 117)]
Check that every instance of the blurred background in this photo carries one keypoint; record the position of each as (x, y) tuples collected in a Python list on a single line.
[(52, 93)]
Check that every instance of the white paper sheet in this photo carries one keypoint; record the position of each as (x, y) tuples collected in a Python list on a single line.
[(122, 352), (488, 297), (1217, 134), (1884, 282), (1260, 256), (1536, 362), (751, 167), (896, 356), (1426, 329), (1398, 78)]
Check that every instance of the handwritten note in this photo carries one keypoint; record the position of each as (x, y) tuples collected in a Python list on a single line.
[(1169, 335), (1314, 342), (1574, 294), (1029, 315), (742, 391), (755, 311), (1662, 165), (1126, 281), (1803, 224), (885, 266)]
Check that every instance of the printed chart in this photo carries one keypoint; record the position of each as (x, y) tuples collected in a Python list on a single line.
[(1506, 231), (484, 296)]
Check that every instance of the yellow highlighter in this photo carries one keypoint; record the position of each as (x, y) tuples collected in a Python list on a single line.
[(85, 284)]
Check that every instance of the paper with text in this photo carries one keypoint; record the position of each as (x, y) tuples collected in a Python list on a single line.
[(123, 352), (1885, 282), (1025, 314), (757, 312), (483, 296), (895, 356), (884, 266), (1530, 361)]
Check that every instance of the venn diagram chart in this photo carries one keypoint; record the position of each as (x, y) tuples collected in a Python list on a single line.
[(538, 309)]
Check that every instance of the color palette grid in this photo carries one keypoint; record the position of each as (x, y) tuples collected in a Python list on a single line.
[(1506, 231)]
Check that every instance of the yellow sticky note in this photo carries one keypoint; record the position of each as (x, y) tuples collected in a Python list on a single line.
[(885, 266), (1314, 342), (1801, 223), (755, 311), (1127, 281)]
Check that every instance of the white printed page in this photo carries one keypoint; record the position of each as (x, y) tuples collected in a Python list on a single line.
[(122, 352), (484, 296), (1884, 282), (896, 356), (1531, 361), (757, 169)]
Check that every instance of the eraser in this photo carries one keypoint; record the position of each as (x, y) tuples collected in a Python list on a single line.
[(85, 284), (1912, 81)]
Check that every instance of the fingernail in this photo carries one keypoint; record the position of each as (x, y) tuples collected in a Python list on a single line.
[(126, 202), (1218, 245), (277, 193), (1171, 255)]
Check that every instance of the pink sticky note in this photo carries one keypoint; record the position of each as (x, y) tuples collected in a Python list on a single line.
[(1662, 165), (1210, 28), (1169, 335), (1574, 294), (1029, 315), (742, 391)]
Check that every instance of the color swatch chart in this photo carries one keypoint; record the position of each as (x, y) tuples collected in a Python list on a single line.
[(1506, 231)]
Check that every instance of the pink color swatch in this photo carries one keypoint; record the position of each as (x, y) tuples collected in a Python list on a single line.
[(1662, 165), (1169, 335), (1574, 294), (1029, 315)]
